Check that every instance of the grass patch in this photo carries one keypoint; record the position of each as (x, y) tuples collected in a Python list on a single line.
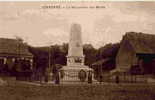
[(78, 92)]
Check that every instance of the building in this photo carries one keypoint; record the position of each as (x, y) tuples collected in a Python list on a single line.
[(136, 53), (103, 67), (14, 56)]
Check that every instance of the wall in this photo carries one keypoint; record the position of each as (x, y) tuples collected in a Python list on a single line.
[(126, 56)]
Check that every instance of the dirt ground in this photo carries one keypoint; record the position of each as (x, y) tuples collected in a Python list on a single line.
[(78, 92)]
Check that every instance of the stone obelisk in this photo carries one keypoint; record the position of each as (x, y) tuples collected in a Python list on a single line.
[(75, 57), (75, 53)]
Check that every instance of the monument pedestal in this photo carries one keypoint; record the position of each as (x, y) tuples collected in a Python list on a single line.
[(71, 73)]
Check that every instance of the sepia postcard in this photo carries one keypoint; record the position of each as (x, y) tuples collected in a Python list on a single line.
[(77, 50)]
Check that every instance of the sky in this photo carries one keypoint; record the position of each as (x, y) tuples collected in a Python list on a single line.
[(41, 26)]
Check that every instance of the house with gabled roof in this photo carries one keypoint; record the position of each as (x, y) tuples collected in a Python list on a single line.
[(13, 51), (136, 52)]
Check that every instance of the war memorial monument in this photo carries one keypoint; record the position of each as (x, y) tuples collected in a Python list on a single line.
[(75, 57)]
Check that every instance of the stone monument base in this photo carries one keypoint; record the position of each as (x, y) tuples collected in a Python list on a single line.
[(70, 73)]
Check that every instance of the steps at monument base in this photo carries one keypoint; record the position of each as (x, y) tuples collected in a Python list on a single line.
[(73, 82), (77, 82)]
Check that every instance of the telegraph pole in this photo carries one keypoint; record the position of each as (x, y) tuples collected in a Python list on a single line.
[(49, 60)]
